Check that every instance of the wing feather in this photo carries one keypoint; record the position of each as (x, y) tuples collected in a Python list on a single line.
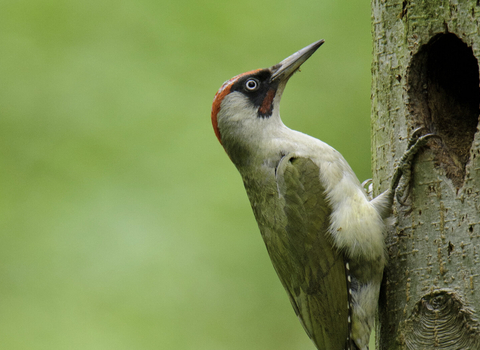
[(310, 268)]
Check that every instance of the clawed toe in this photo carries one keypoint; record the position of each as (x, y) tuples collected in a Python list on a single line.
[(415, 136), (415, 143), (368, 187)]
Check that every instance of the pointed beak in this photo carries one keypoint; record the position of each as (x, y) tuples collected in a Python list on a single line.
[(291, 64)]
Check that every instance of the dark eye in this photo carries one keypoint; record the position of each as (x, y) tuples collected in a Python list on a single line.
[(252, 84)]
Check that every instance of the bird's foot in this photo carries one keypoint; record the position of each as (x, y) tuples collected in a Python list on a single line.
[(415, 143), (368, 187)]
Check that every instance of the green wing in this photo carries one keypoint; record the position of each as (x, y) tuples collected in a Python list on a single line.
[(311, 270)]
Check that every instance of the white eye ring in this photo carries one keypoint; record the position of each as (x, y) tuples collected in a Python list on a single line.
[(251, 84)]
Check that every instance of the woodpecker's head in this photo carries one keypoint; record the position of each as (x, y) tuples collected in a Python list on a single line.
[(246, 107)]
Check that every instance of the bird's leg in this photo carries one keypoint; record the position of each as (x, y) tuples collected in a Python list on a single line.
[(415, 143)]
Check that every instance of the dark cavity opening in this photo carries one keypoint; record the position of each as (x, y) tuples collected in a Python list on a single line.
[(444, 97)]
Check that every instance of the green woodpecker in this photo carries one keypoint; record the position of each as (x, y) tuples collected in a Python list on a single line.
[(324, 235)]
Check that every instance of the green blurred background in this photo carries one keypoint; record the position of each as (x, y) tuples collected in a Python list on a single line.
[(123, 223)]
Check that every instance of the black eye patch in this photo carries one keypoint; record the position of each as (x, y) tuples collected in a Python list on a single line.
[(262, 95)]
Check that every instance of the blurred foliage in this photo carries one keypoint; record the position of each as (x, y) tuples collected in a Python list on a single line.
[(123, 223)]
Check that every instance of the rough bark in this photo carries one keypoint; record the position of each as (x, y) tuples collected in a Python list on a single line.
[(425, 74)]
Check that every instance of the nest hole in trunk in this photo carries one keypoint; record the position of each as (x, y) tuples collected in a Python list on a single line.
[(444, 96)]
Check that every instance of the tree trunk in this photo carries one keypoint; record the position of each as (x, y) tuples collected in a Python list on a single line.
[(425, 74)]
